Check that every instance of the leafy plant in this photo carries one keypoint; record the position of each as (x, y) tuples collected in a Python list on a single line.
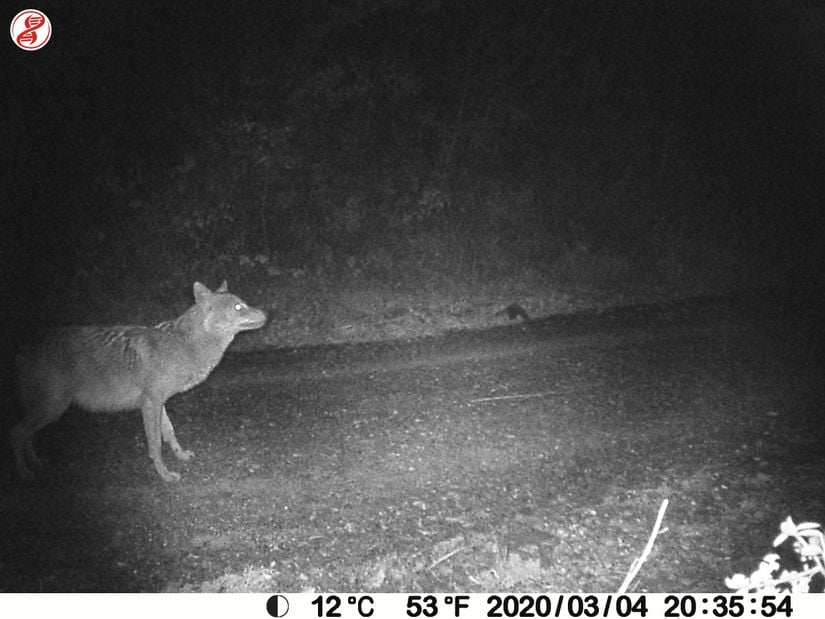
[(770, 577)]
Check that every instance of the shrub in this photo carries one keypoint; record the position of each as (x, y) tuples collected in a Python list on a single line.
[(771, 577)]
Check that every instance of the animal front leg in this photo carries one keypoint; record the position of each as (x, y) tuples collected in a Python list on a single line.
[(152, 425), (168, 433)]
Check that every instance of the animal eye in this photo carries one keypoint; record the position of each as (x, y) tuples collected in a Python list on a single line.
[(239, 307)]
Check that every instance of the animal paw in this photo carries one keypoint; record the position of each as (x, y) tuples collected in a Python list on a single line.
[(166, 474), (170, 476), (26, 475)]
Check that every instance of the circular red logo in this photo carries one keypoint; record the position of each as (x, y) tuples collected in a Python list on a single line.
[(30, 30)]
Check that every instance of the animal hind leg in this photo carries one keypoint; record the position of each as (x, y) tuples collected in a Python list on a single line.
[(42, 408), (22, 448), (31, 455)]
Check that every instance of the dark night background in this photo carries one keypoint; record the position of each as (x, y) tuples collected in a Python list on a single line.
[(390, 142)]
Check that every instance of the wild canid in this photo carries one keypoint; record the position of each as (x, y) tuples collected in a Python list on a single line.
[(125, 368)]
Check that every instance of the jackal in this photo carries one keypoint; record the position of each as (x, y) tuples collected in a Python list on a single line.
[(119, 368)]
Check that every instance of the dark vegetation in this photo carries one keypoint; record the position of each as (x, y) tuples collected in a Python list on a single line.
[(298, 147)]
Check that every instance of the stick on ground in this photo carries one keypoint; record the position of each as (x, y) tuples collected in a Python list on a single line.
[(637, 564)]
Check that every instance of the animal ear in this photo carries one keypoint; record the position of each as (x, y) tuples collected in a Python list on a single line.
[(223, 287), (200, 291)]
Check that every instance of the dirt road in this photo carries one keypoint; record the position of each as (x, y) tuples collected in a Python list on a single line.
[(530, 457)]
